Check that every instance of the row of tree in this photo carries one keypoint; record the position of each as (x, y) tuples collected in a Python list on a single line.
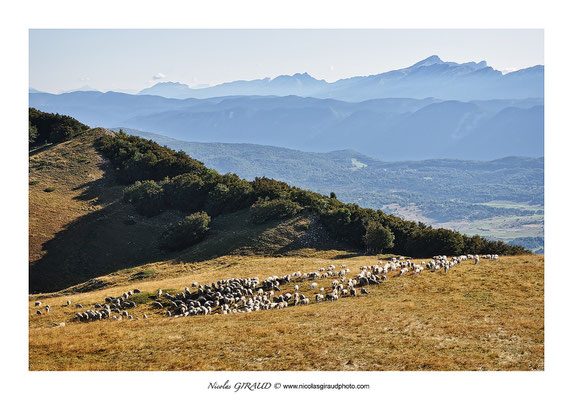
[(52, 128), (161, 178)]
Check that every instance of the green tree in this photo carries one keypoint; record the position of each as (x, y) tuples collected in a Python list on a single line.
[(147, 197), (264, 209), (32, 133), (61, 133), (186, 192), (377, 238), (192, 229)]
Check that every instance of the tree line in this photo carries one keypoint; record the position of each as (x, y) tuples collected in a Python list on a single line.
[(51, 128)]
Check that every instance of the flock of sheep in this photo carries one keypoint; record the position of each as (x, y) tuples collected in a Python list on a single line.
[(235, 295)]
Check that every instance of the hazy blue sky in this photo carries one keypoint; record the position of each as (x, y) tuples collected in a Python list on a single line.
[(130, 60)]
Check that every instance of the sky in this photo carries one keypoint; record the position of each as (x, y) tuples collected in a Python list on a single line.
[(131, 60)]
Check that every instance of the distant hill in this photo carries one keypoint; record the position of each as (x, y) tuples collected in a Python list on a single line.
[(430, 77), (387, 129), (84, 88)]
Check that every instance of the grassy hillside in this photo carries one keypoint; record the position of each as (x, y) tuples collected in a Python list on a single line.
[(67, 181), (77, 228), (476, 317), (86, 243), (80, 229)]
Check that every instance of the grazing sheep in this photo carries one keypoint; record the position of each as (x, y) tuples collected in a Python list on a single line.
[(250, 295), (38, 312), (79, 306), (38, 304), (68, 303)]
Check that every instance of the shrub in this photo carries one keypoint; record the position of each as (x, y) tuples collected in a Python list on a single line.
[(32, 183), (32, 133), (49, 189), (61, 133), (186, 192), (146, 197), (265, 210), (137, 159), (192, 229), (310, 200), (52, 127), (377, 238), (266, 187), (232, 194)]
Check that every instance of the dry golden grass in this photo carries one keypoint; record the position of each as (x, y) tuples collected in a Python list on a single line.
[(484, 317), (67, 167)]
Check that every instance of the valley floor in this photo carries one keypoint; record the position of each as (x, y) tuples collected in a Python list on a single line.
[(488, 316)]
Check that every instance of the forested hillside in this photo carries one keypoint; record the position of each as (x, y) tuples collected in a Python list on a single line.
[(163, 179)]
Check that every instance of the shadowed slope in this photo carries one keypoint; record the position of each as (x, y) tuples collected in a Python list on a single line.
[(82, 229)]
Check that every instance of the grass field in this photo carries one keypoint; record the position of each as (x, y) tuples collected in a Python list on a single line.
[(488, 316), (504, 228), (511, 204), (484, 317)]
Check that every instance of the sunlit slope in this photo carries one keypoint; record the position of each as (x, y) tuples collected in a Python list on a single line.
[(488, 316)]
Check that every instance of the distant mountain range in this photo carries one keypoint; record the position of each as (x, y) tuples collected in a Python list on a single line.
[(431, 77), (387, 129)]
